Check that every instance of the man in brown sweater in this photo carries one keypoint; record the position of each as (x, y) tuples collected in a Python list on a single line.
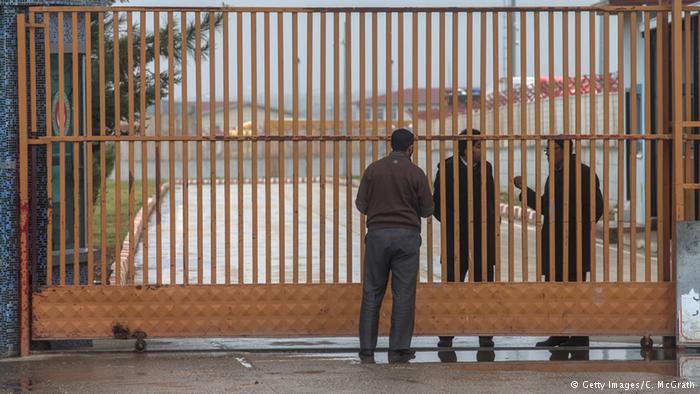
[(394, 194)]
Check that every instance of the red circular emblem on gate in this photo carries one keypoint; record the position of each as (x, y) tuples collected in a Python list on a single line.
[(61, 115)]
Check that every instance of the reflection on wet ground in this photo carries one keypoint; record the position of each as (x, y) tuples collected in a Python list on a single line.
[(332, 364)]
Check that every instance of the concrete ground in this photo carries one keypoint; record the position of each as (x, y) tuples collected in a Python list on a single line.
[(347, 252), (331, 365)]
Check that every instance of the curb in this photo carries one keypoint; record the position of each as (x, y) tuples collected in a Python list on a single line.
[(518, 212), (139, 221)]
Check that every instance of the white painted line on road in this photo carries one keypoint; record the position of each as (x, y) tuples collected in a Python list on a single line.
[(244, 362)]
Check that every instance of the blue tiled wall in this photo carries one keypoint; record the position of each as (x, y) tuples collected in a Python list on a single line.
[(9, 194)]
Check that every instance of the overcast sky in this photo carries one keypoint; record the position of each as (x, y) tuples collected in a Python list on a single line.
[(460, 61)]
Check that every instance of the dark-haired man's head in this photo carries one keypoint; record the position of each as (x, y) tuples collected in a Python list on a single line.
[(402, 141), (558, 154), (476, 146)]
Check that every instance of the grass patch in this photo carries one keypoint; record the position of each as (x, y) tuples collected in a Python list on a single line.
[(111, 222)]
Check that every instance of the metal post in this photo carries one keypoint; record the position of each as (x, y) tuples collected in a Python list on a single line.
[(23, 186), (679, 205)]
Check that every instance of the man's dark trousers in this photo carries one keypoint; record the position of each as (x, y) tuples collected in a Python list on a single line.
[(394, 250)]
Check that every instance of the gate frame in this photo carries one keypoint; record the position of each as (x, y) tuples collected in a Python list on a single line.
[(447, 291)]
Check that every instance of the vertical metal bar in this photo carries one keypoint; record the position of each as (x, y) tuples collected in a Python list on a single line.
[(441, 95), (281, 155), (428, 134), (511, 142), (336, 144), (295, 146), (633, 146), (88, 124), (62, 110), (239, 144), (198, 104), (185, 157), (131, 101), (567, 147), (158, 197), (400, 72), (484, 147), (678, 177), (550, 145), (606, 146), (523, 143), (414, 108), (667, 178), (496, 149), (688, 163), (660, 128), (593, 82), (349, 130), (580, 275), (49, 159), (621, 149), (268, 194), (322, 154), (375, 105), (103, 152), (254, 152), (538, 149), (388, 113), (76, 154), (471, 230), (33, 225), (212, 143), (362, 132), (23, 182), (227, 154), (117, 144), (647, 147), (144, 145), (171, 144), (456, 160), (309, 145)]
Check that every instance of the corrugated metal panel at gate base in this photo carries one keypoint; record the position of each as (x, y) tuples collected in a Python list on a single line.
[(333, 309), (292, 255)]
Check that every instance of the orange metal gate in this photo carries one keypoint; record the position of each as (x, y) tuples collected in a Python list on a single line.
[(219, 251)]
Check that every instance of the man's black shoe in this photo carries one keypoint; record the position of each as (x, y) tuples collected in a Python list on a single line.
[(486, 342), (447, 356), (485, 356), (402, 356), (558, 355), (576, 342), (366, 356), (445, 342), (552, 341)]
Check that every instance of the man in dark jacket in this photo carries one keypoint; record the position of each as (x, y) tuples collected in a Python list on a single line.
[(584, 196), (394, 194), (464, 227)]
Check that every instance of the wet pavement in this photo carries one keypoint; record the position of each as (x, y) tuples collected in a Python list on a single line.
[(331, 365), (200, 252)]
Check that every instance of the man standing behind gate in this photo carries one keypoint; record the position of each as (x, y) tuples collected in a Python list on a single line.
[(449, 217), (556, 180), (394, 194)]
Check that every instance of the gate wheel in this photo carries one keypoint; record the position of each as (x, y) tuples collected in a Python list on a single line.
[(646, 342), (140, 345)]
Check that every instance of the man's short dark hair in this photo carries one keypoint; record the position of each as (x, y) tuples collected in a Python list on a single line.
[(401, 140), (560, 143), (462, 144)]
